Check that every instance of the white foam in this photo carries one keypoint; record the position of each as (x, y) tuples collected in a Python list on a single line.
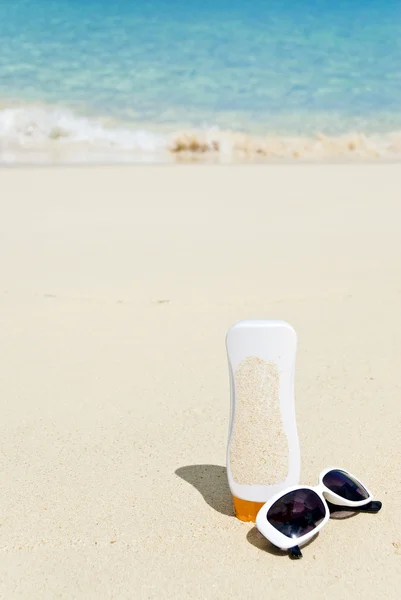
[(45, 134), (34, 126)]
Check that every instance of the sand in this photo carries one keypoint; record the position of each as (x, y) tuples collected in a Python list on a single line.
[(118, 286), (259, 445)]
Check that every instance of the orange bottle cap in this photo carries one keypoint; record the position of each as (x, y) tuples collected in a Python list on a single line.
[(245, 510)]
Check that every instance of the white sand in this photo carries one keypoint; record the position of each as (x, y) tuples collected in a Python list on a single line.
[(117, 288), (259, 445)]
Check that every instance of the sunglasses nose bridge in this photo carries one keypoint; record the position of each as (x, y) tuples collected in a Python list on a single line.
[(330, 496), (325, 493), (321, 492), (320, 489)]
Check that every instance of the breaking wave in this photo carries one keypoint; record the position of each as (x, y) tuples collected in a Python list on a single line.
[(51, 134)]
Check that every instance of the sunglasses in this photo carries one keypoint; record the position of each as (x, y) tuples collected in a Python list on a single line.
[(291, 518)]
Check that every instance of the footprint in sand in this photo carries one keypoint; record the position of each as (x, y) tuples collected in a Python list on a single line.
[(259, 447)]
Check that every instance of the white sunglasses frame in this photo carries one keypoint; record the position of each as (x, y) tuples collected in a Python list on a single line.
[(284, 542)]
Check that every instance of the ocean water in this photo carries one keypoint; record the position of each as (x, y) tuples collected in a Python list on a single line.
[(145, 80)]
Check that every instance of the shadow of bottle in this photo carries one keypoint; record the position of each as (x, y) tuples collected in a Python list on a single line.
[(211, 482)]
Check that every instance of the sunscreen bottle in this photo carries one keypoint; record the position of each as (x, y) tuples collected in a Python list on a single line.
[(263, 454)]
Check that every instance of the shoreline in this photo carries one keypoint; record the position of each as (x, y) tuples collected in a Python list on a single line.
[(202, 162), (51, 134)]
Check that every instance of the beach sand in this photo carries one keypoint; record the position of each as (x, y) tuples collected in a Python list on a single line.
[(118, 285)]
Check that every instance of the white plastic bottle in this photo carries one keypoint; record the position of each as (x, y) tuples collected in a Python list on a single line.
[(263, 454)]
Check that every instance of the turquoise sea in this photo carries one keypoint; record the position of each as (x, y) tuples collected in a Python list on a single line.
[(151, 79)]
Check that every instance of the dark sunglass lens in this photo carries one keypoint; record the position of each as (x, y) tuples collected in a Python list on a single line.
[(297, 513), (344, 485)]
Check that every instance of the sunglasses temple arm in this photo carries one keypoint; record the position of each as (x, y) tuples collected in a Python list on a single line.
[(294, 553), (372, 507)]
